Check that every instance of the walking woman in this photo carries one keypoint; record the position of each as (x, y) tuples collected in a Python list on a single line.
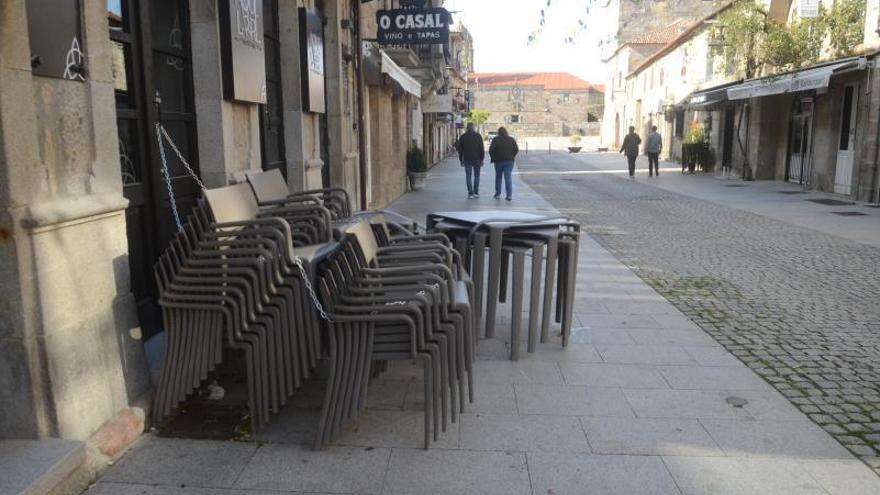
[(502, 152)]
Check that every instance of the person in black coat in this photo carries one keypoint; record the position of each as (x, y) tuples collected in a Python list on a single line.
[(503, 151), (471, 155), (630, 148)]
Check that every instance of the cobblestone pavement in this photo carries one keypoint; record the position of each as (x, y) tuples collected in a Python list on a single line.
[(800, 307)]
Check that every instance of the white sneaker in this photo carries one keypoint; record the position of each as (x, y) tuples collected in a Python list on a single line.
[(470, 196), (476, 195)]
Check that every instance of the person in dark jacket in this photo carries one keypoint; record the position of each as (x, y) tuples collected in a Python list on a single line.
[(471, 155), (630, 148), (503, 151)]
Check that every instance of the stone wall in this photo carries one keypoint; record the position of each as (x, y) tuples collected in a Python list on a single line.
[(69, 340), (540, 112)]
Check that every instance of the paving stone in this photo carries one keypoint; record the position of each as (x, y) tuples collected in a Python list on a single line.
[(671, 337), (178, 462), (740, 476), (774, 438), (609, 475), (639, 436), (299, 468), (384, 428), (844, 477), (461, 472), (524, 371), (571, 400), (585, 335), (644, 354), (712, 378), (612, 375), (522, 433)]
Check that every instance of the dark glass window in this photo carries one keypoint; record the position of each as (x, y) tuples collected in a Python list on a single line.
[(121, 68), (128, 152), (166, 17), (272, 118), (117, 15), (846, 118), (679, 123), (170, 77)]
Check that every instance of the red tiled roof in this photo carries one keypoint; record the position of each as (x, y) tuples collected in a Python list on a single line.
[(660, 36), (546, 80)]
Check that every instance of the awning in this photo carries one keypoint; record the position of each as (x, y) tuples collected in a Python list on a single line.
[(802, 80), (708, 97), (406, 81)]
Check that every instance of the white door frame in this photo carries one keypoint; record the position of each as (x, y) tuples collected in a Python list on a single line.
[(845, 164)]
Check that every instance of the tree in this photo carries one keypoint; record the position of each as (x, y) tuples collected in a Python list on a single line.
[(846, 25), (477, 117)]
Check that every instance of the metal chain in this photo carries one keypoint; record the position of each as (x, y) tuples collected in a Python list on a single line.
[(167, 175), (314, 296), (160, 133), (181, 158)]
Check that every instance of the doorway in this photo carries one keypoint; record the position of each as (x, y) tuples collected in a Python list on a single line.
[(800, 142), (151, 57), (846, 141), (727, 139)]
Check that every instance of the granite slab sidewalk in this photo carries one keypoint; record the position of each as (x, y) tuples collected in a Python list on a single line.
[(642, 402)]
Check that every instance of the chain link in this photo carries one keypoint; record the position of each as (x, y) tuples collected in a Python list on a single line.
[(312, 294), (167, 175), (189, 169)]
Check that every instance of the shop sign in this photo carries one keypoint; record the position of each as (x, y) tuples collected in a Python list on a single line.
[(56, 39), (311, 44), (241, 49), (413, 26)]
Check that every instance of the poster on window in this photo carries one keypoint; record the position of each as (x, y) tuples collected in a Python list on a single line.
[(311, 43), (56, 39), (241, 50), (808, 9)]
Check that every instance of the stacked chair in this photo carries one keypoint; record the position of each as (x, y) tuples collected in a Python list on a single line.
[(552, 244), (243, 274), (404, 301), (230, 277)]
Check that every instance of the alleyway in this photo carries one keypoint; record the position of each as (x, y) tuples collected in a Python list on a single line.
[(645, 402)]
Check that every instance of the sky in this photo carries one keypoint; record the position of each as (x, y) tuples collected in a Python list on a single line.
[(501, 29)]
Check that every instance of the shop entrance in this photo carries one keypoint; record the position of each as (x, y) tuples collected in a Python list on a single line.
[(800, 141), (847, 140), (151, 62)]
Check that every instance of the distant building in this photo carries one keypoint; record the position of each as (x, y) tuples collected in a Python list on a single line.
[(538, 104)]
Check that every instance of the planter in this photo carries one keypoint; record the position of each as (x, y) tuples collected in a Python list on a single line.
[(574, 149), (417, 180), (696, 156)]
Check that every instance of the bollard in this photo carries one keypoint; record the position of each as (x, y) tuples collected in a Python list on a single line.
[(549, 147)]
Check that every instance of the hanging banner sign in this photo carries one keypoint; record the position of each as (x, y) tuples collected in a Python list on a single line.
[(311, 45), (241, 50), (413, 26)]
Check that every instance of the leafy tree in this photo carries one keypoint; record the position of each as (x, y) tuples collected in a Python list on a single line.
[(477, 117), (846, 25)]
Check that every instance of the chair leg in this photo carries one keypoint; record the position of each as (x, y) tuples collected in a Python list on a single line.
[(516, 311), (504, 273), (534, 296), (549, 276)]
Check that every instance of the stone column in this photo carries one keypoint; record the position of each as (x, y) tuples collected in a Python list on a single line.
[(228, 132), (69, 340)]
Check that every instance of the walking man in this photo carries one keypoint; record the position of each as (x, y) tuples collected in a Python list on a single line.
[(471, 154), (503, 151), (630, 148), (653, 147)]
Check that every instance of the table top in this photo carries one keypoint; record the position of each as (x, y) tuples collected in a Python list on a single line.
[(475, 217)]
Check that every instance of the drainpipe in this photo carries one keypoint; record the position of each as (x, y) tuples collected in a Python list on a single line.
[(361, 129)]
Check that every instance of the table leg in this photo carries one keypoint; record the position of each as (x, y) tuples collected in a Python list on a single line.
[(495, 236), (534, 295), (519, 265), (549, 276)]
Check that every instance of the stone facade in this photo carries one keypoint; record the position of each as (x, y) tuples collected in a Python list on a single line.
[(532, 111)]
